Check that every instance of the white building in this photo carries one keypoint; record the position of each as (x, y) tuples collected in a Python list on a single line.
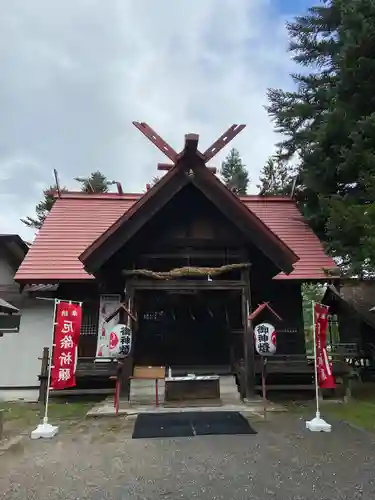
[(19, 352)]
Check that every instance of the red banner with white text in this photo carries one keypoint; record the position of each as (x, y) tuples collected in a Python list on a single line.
[(326, 379), (68, 321)]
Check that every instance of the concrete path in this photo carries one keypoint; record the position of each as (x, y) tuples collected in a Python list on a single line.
[(106, 408), (97, 460)]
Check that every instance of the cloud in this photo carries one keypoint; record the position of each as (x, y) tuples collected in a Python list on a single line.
[(76, 73)]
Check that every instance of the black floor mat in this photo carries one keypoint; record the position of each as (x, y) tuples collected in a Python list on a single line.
[(185, 424)]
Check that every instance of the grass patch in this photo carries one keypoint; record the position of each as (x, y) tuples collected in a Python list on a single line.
[(359, 411), (356, 412), (25, 413), (22, 416), (56, 410)]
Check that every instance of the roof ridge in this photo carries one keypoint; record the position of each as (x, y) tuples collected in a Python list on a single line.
[(78, 195), (260, 197)]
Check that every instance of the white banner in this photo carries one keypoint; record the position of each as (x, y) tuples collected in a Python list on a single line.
[(108, 305)]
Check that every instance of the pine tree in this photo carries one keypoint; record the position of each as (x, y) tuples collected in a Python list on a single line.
[(96, 183), (42, 208), (329, 123), (276, 177), (234, 173)]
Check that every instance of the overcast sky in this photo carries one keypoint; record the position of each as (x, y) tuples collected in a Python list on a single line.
[(74, 74)]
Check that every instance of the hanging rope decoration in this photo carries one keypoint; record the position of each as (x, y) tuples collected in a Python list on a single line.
[(184, 272)]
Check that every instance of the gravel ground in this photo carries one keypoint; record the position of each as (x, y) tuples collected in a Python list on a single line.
[(98, 460)]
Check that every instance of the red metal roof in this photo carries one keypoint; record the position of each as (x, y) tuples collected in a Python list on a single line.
[(77, 219)]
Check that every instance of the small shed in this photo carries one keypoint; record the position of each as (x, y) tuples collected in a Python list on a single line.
[(352, 305), (10, 318)]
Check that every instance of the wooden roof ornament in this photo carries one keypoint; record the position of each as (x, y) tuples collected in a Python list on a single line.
[(210, 152), (222, 141), (155, 138)]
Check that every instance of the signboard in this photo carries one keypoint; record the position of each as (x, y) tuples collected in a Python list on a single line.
[(68, 321), (108, 305), (120, 341), (265, 339), (323, 364)]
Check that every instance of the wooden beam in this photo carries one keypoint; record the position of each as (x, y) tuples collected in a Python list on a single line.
[(193, 254), (212, 169), (165, 166), (222, 141), (248, 339), (158, 141), (122, 306), (177, 285), (126, 370), (205, 243), (191, 145), (169, 166)]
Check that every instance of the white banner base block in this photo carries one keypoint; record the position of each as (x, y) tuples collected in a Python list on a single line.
[(44, 430), (317, 424)]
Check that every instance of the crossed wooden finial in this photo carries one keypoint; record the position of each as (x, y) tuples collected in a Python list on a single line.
[(165, 148)]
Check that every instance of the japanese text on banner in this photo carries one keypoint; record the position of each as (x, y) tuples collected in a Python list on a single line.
[(326, 379), (66, 336)]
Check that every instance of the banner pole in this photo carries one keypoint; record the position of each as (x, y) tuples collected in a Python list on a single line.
[(45, 419), (46, 430), (317, 424), (315, 362)]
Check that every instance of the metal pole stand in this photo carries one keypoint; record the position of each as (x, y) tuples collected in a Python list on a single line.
[(317, 424)]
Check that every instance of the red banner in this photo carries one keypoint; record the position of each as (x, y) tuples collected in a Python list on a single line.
[(67, 330), (326, 379)]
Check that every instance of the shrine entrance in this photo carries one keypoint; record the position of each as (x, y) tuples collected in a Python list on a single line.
[(186, 328)]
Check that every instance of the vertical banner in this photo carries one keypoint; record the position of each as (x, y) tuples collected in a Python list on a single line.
[(68, 321), (108, 305), (323, 364)]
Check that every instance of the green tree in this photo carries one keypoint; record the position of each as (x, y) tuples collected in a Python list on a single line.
[(96, 183), (311, 292), (42, 208), (276, 177), (329, 123), (234, 173)]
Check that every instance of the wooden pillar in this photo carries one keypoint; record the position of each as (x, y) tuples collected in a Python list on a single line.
[(249, 358), (127, 363), (43, 376), (1, 423)]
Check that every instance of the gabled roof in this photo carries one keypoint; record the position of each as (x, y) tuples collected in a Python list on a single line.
[(356, 303), (77, 220), (15, 246), (189, 169), (7, 308)]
